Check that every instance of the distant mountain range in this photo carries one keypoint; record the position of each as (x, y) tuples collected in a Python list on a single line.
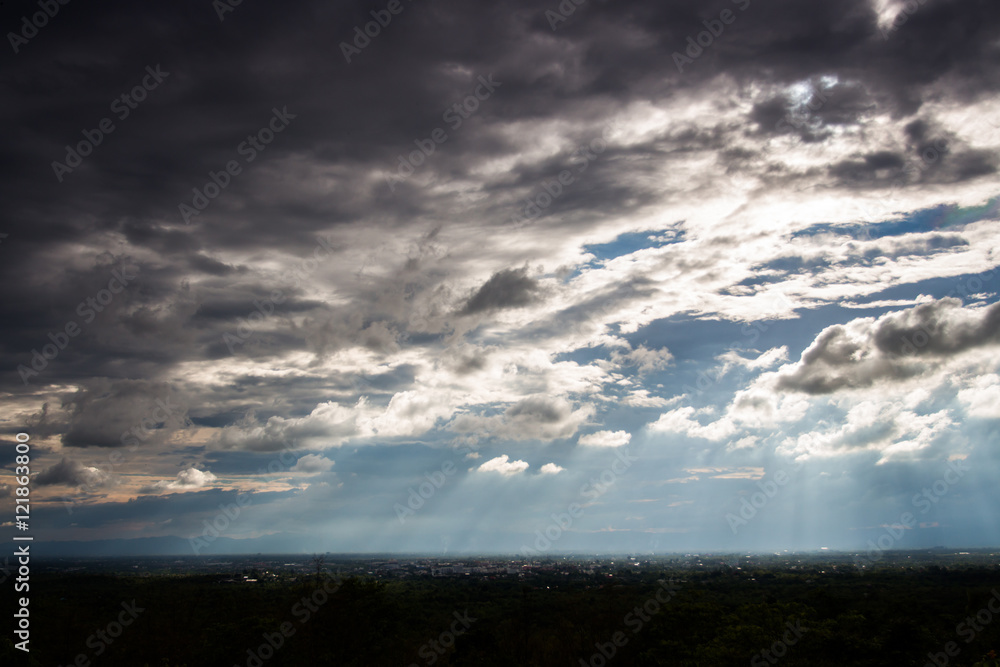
[(169, 546)]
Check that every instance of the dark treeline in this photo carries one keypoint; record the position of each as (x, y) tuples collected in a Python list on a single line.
[(707, 619)]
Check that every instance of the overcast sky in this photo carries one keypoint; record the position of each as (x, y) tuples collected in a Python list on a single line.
[(685, 275)]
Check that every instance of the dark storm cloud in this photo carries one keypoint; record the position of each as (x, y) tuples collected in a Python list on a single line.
[(231, 308), (223, 80), (871, 169), (71, 473), (929, 159), (821, 107), (467, 359), (896, 346), (938, 328), (122, 413), (509, 288), (537, 409)]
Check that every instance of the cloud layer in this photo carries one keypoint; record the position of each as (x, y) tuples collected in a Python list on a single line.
[(487, 237)]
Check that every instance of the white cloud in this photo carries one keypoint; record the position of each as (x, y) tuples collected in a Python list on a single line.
[(551, 469), (875, 424), (765, 360), (679, 421), (535, 417), (192, 478), (312, 463), (891, 348), (982, 399), (888, 303), (920, 433), (187, 480), (329, 424), (760, 407), (605, 439), (641, 398), (728, 473), (645, 360), (414, 413), (501, 465)]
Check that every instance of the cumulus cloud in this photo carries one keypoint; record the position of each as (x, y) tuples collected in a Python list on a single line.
[(413, 413), (502, 465), (895, 346), (118, 413), (680, 420), (187, 480), (551, 469), (536, 417), (542, 418), (760, 407), (765, 360), (982, 399), (329, 424), (642, 398), (605, 439), (510, 288), (73, 473), (882, 426), (312, 463), (644, 359)]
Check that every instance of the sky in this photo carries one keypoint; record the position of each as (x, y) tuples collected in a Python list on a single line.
[(533, 278)]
